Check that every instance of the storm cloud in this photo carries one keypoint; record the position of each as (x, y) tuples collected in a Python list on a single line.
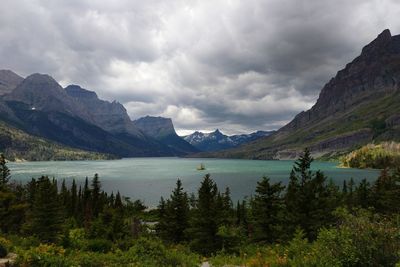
[(235, 65)]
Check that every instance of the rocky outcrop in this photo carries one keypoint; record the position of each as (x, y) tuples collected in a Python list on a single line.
[(110, 116), (162, 129), (155, 126), (8, 81)]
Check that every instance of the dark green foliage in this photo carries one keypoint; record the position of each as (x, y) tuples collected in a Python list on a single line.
[(3, 251), (4, 173), (386, 192), (99, 245), (308, 198), (46, 216), (96, 201), (204, 221), (174, 215), (268, 211)]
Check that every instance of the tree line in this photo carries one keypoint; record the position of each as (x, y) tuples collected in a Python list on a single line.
[(207, 221)]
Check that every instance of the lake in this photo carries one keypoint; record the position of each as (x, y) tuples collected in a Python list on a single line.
[(150, 178)]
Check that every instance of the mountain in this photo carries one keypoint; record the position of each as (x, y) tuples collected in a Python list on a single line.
[(163, 130), (111, 116), (41, 107), (359, 105), (216, 140), (18, 145), (8, 81)]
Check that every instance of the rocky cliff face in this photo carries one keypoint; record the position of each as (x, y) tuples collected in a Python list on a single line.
[(162, 129), (376, 72), (357, 106), (8, 81), (155, 126), (42, 92), (111, 116)]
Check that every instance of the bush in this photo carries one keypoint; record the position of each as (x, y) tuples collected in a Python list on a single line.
[(4, 247), (43, 255), (99, 245)]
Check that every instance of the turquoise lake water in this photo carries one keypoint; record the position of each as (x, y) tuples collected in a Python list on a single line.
[(150, 178)]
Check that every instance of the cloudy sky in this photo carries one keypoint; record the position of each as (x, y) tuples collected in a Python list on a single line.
[(238, 66)]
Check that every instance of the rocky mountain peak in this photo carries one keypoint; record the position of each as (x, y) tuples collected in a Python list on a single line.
[(8, 81), (380, 42), (78, 92), (155, 126), (374, 73)]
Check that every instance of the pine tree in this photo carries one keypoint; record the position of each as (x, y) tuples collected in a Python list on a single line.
[(46, 214), (4, 173), (74, 200), (386, 193), (204, 222), (268, 211), (87, 205), (6, 196), (95, 195), (307, 197), (177, 211), (162, 224)]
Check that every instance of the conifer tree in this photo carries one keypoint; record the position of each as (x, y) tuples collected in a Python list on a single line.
[(177, 211), (268, 211), (95, 195), (74, 200), (306, 197), (4, 173), (6, 195), (204, 222), (46, 214), (161, 227)]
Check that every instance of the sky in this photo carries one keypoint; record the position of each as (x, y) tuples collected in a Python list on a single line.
[(238, 66)]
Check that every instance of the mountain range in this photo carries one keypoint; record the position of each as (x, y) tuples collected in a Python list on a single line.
[(361, 104), (216, 140), (75, 118)]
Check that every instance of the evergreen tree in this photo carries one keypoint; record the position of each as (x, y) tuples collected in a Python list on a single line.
[(307, 197), (87, 205), (268, 211), (386, 193), (161, 227), (95, 195), (363, 194), (177, 211), (46, 214), (4, 173), (6, 195), (204, 222), (74, 200)]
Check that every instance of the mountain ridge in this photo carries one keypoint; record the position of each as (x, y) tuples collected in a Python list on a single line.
[(216, 140), (352, 109)]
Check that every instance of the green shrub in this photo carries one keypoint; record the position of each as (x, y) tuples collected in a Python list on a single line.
[(99, 245), (4, 247)]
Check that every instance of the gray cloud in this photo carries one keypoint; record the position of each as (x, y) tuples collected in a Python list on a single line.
[(234, 65)]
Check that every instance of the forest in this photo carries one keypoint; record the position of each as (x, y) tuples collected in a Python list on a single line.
[(308, 222)]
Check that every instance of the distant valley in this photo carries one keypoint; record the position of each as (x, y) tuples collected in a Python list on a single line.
[(216, 140)]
